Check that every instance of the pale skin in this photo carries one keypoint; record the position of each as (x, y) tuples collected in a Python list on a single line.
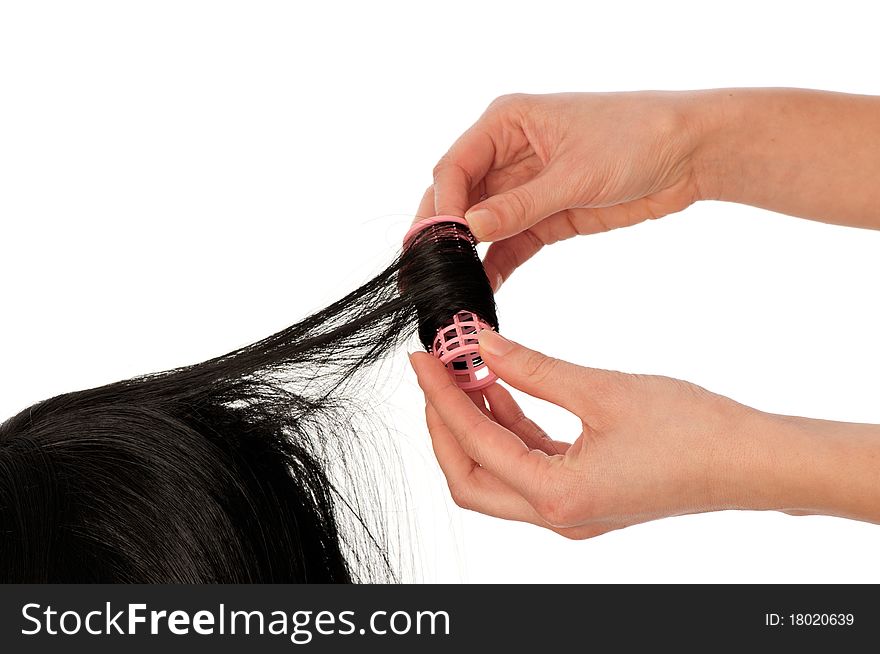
[(534, 170)]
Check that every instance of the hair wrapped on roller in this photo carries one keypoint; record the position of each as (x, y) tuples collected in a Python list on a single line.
[(218, 472), (452, 313)]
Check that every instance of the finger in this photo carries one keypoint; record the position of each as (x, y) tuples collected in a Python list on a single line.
[(461, 169), (457, 466), (591, 220), (506, 255), (480, 402), (475, 489), (495, 448), (503, 257), (471, 486), (576, 388), (515, 210), (426, 206), (510, 415)]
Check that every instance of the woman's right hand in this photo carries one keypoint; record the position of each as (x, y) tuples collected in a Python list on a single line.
[(543, 168)]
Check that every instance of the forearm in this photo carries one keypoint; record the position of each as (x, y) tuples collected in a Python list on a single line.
[(811, 154), (806, 466)]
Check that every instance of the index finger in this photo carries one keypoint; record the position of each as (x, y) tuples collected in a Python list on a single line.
[(460, 170), (495, 448), (426, 206)]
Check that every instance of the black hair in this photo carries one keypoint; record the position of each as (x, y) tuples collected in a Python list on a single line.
[(218, 471), (452, 278)]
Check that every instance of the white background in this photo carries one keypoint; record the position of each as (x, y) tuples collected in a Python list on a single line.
[(181, 178)]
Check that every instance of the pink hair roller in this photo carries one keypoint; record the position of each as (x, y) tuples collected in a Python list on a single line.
[(456, 343), (424, 223)]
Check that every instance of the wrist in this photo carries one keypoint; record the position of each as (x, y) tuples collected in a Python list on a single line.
[(776, 465), (715, 121), (804, 467), (766, 463)]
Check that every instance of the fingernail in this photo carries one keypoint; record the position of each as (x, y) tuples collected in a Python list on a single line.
[(494, 343), (482, 222)]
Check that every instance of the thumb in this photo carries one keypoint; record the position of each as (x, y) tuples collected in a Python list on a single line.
[(560, 382), (517, 209)]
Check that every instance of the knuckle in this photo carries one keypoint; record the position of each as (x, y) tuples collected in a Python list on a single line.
[(445, 166), (440, 166), (467, 441), (572, 534), (539, 367), (566, 501), (507, 261), (520, 203), (508, 101), (480, 431), (500, 102), (519, 422), (554, 502), (554, 510), (535, 241), (474, 434), (580, 533), (460, 496)]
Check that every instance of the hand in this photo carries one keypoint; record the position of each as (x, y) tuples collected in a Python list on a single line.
[(651, 447), (554, 166)]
